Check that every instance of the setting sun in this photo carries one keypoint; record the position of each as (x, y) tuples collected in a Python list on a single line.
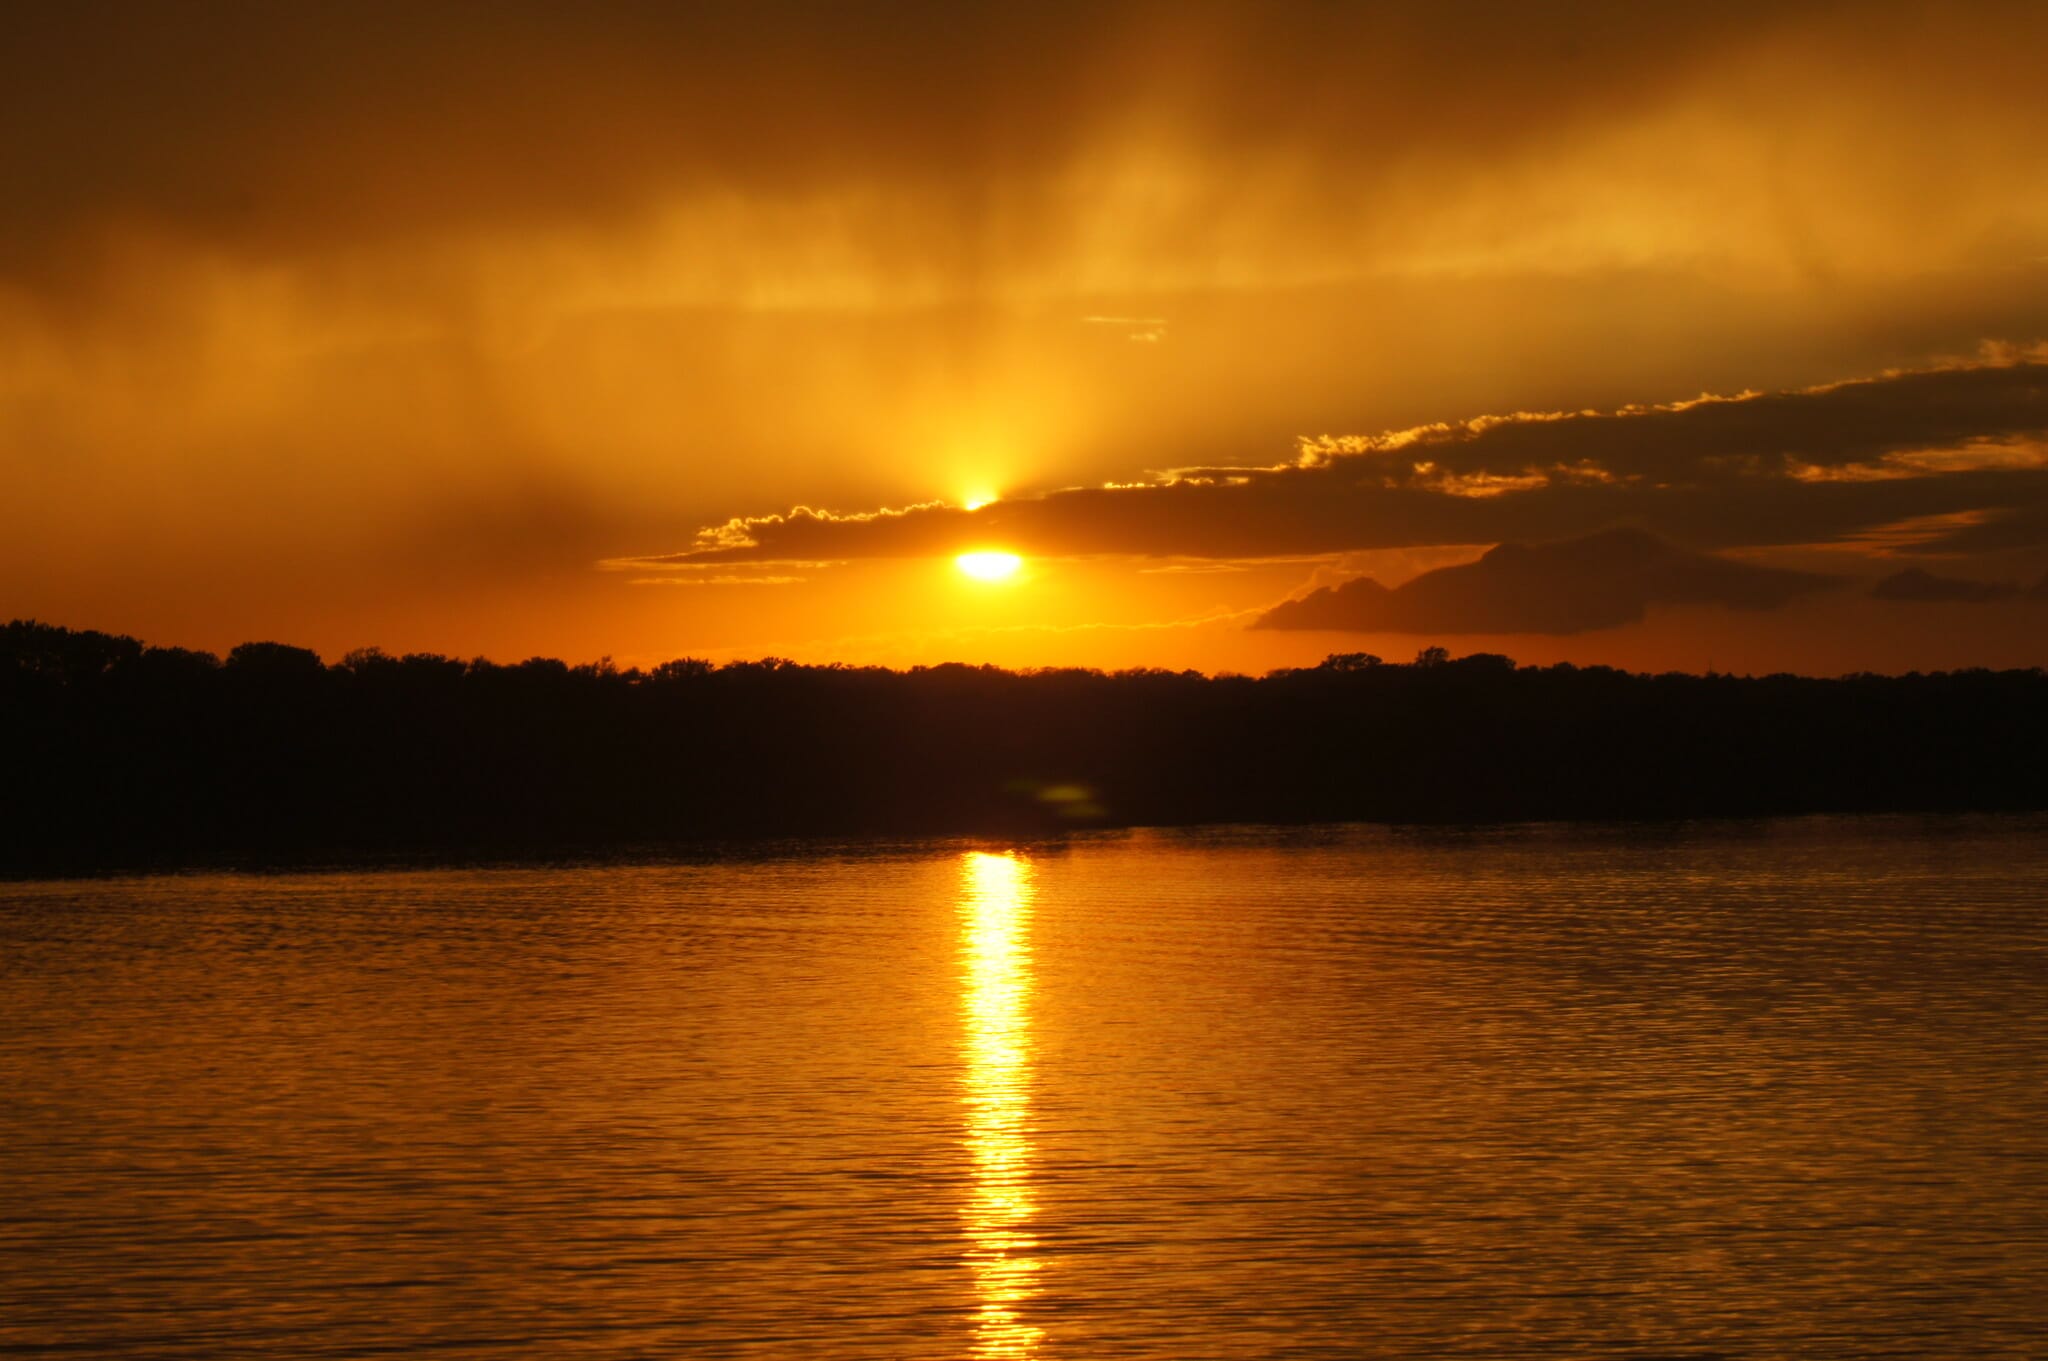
[(989, 566)]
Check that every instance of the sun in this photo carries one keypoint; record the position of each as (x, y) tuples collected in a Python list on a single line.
[(989, 566)]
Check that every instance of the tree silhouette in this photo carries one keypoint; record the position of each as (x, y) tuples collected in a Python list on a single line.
[(121, 754)]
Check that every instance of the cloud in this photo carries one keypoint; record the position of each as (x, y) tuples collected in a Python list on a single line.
[(378, 117), (1882, 424), (1715, 472), (1105, 146), (720, 579), (1601, 581), (1144, 330), (1922, 587), (2023, 526)]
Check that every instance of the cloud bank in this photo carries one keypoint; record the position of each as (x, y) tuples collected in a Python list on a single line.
[(1601, 581), (374, 119), (1918, 586), (1966, 440)]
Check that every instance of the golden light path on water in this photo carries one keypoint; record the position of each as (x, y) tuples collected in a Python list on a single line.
[(995, 927)]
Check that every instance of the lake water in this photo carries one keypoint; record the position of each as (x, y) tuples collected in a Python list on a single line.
[(1743, 1090)]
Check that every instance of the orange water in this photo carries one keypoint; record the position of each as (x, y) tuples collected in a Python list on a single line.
[(1740, 1090)]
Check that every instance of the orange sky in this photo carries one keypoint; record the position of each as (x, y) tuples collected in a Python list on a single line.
[(465, 330)]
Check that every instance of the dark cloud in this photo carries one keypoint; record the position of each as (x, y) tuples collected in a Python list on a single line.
[(2024, 526), (1812, 431), (248, 124), (1720, 473), (1922, 587), (1601, 581)]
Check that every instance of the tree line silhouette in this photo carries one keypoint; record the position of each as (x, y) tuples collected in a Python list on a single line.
[(118, 754)]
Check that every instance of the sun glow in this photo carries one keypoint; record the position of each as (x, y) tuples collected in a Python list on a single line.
[(989, 566)]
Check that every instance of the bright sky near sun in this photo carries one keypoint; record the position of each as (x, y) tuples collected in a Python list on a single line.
[(732, 330), (989, 566)]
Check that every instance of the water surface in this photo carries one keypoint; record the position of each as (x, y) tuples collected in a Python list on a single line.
[(1730, 1090)]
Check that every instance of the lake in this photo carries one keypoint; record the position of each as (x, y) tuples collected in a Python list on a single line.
[(1712, 1090)]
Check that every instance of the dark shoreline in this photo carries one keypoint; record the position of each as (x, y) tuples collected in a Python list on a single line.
[(881, 847), (121, 757)]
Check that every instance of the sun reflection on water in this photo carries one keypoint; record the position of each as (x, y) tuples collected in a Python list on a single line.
[(995, 921)]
